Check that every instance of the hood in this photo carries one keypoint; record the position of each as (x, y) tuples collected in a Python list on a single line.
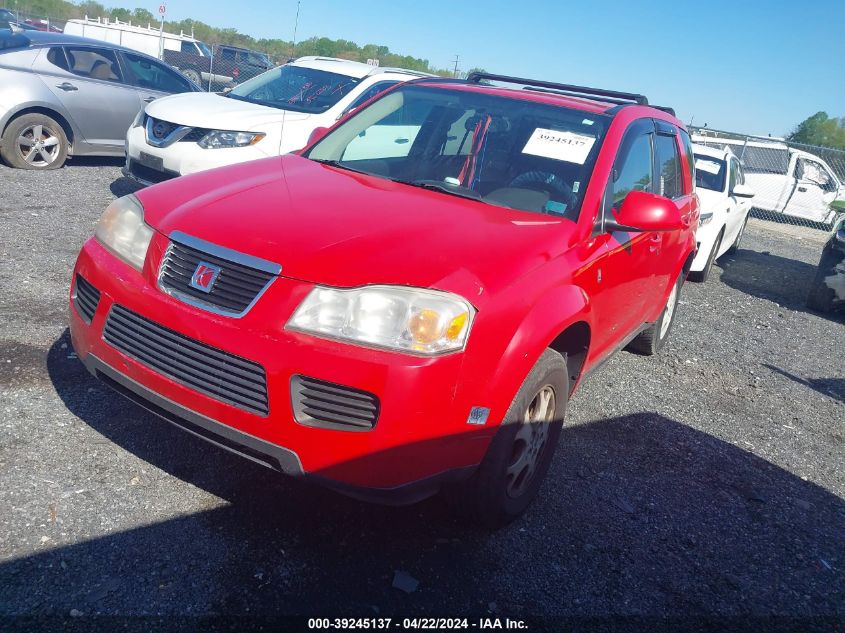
[(218, 112), (330, 226)]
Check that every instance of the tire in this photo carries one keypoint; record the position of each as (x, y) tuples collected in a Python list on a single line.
[(702, 275), (518, 458), (193, 75), (735, 246), (34, 141), (650, 341), (821, 298)]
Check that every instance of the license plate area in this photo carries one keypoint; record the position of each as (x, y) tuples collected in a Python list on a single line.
[(153, 162)]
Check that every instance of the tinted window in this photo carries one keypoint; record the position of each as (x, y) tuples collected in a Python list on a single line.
[(669, 176), (227, 53), (687, 145), (56, 56), (146, 73), (710, 172), (633, 172), (296, 88), (734, 174), (189, 48), (95, 63), (507, 152)]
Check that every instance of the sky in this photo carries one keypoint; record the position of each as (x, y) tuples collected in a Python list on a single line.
[(752, 66)]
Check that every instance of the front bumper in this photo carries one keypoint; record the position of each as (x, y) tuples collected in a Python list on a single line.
[(419, 441), (182, 157)]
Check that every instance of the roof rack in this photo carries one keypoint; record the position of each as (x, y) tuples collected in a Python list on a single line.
[(569, 90), (667, 109), (568, 93)]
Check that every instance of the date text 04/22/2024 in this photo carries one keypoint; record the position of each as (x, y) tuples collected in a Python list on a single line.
[(434, 624)]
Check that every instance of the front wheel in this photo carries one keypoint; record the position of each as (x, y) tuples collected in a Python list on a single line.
[(735, 246), (651, 340), (702, 275), (519, 456), (34, 141)]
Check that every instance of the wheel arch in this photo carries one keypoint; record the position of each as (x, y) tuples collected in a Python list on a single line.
[(560, 320), (46, 111)]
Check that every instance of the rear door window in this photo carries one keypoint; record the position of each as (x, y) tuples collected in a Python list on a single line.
[(149, 74), (93, 63), (669, 179), (56, 56)]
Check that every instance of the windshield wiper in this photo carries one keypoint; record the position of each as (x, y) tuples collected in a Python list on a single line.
[(434, 185), (339, 165)]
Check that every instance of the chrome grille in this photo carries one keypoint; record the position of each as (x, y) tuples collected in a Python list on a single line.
[(329, 405), (218, 374), (86, 298), (236, 287)]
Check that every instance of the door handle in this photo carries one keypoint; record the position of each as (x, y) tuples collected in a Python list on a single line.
[(802, 189), (67, 86), (149, 99), (401, 141)]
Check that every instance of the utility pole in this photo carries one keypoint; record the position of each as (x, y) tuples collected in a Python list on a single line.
[(295, 27), (457, 58)]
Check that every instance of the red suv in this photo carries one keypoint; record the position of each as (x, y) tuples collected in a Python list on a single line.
[(407, 303)]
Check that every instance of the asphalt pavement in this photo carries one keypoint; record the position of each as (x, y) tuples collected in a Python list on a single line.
[(703, 484)]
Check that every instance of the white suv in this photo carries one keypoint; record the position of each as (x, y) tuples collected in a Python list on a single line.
[(268, 115)]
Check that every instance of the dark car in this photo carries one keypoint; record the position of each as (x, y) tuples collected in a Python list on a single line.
[(225, 68), (827, 292), (62, 95)]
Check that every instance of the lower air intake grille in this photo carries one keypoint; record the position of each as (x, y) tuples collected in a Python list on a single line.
[(333, 406), (86, 298), (218, 374)]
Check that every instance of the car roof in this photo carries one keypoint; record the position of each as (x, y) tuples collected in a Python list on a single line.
[(45, 38), (350, 68), (586, 104)]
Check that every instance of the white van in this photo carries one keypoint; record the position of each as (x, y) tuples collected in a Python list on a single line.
[(146, 39), (784, 179)]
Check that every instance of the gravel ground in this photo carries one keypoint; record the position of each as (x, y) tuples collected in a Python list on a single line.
[(706, 482)]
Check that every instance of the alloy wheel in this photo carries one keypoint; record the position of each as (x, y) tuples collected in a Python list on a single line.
[(669, 311), (530, 442), (38, 145)]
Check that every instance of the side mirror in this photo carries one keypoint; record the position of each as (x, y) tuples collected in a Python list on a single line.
[(742, 191), (317, 134), (642, 211)]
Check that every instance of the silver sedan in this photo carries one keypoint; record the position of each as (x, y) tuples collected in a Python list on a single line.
[(64, 96)]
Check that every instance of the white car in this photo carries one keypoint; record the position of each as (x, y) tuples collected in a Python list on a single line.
[(725, 203), (272, 114), (785, 180)]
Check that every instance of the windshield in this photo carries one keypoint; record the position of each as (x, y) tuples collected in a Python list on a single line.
[(205, 50), (296, 88), (505, 151), (710, 173)]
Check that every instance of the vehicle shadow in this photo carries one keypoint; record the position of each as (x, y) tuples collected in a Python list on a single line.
[(94, 161), (123, 186), (640, 516), (832, 387), (767, 276)]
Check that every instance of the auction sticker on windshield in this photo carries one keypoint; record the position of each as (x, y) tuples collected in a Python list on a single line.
[(559, 145)]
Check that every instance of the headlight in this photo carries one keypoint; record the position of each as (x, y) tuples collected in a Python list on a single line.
[(705, 218), (217, 139), (123, 232), (412, 320)]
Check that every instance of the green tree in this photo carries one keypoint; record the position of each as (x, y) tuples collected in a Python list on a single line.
[(820, 129)]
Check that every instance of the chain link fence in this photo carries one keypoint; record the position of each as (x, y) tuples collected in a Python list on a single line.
[(793, 183)]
